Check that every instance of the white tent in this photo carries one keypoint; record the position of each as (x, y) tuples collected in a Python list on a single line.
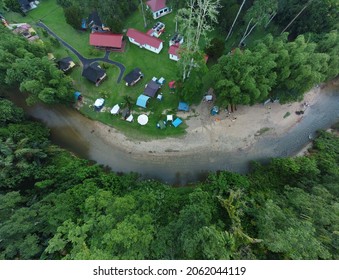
[(99, 102), (115, 109), (143, 119), (130, 118)]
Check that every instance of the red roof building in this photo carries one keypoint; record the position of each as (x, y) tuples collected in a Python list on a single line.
[(156, 5), (144, 40), (173, 52), (158, 8), (106, 40)]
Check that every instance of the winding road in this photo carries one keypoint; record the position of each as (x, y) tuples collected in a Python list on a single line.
[(85, 61)]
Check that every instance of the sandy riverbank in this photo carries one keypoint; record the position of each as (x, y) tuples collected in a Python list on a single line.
[(224, 132)]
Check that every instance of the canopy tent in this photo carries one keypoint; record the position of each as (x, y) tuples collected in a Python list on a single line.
[(170, 118), (183, 106), (142, 100), (177, 122), (208, 97), (99, 103), (161, 81), (130, 118), (77, 96), (215, 110), (115, 109), (143, 119), (151, 88), (161, 124)]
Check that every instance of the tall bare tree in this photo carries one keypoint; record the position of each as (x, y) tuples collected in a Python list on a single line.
[(235, 19), (300, 12), (261, 13), (195, 22)]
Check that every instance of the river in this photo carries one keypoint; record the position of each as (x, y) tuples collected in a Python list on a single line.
[(73, 131)]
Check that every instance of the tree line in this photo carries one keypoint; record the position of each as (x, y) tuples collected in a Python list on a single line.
[(56, 206), (278, 65)]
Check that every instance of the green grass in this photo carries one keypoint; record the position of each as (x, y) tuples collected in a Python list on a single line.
[(151, 64)]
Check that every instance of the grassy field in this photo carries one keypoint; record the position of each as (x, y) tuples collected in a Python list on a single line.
[(158, 65)]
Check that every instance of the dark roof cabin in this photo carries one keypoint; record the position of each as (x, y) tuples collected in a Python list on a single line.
[(133, 77), (151, 88), (65, 64), (26, 5), (94, 73), (94, 21)]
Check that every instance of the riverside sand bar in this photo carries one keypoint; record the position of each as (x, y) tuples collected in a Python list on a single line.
[(226, 141)]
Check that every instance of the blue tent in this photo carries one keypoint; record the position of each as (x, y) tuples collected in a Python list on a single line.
[(77, 96), (177, 122), (142, 100), (183, 106)]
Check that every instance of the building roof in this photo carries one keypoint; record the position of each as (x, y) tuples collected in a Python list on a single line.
[(106, 40), (65, 63), (173, 50), (151, 88), (177, 122), (183, 106), (143, 38), (132, 76), (94, 19), (142, 100), (156, 5), (93, 72)]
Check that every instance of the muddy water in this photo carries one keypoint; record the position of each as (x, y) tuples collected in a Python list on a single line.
[(74, 132)]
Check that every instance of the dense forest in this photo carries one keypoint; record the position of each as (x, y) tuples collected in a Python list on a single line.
[(56, 206)]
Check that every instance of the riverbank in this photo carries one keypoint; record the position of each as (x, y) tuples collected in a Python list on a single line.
[(225, 132), (225, 142)]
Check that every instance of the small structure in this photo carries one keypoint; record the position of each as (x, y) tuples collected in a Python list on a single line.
[(27, 5), (173, 52), (161, 124), (144, 40), (177, 122), (126, 112), (106, 40), (176, 39), (169, 118), (143, 119), (25, 30), (157, 30), (94, 22), (214, 110), (130, 118), (161, 81), (77, 96), (99, 103), (65, 64), (133, 77), (50, 56), (183, 106), (151, 88), (115, 109), (142, 100), (94, 73), (158, 8)]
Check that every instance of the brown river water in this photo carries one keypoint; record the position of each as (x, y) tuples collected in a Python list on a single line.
[(72, 131)]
